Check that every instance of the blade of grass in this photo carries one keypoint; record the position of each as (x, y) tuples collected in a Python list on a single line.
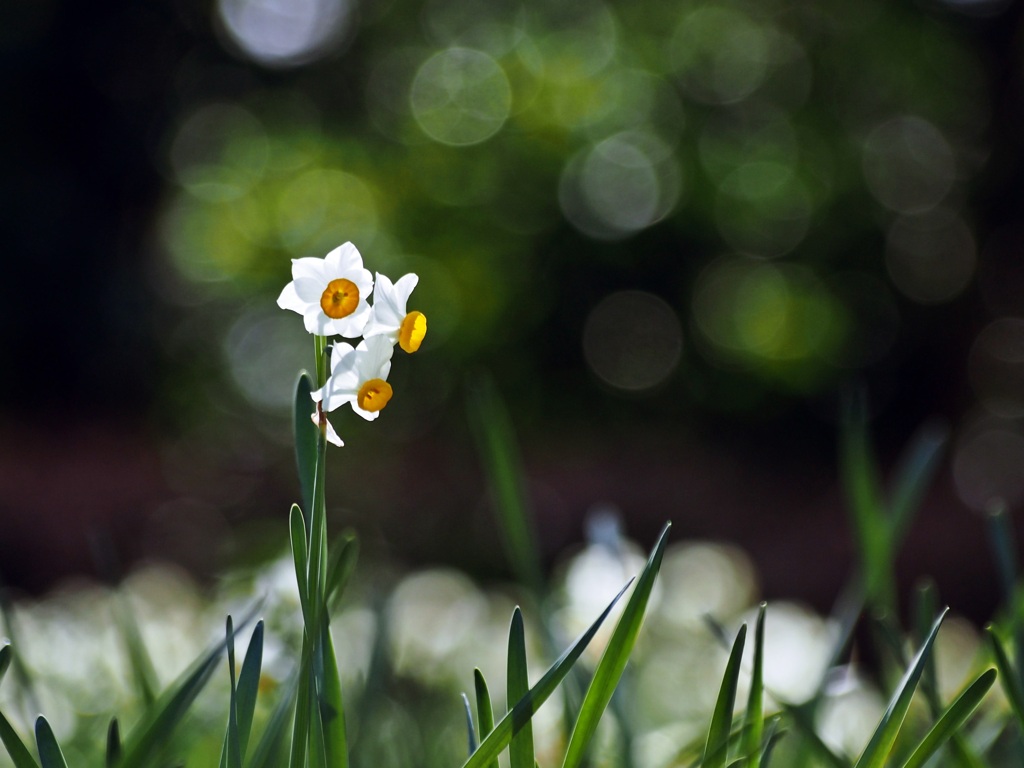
[(300, 724), (155, 727), (717, 747), (143, 671), (229, 755), (470, 728), (5, 659), (305, 438), (913, 475), (268, 750), (877, 751), (520, 748), (484, 712), (496, 444), (1007, 676), (332, 711), (113, 754), (297, 528), (50, 755), (248, 687), (503, 732), (15, 747), (613, 661), (949, 724), (754, 718)]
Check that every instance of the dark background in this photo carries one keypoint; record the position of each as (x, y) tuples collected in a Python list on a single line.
[(124, 434)]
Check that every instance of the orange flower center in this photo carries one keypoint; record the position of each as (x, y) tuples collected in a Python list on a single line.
[(411, 331), (374, 395), (340, 299)]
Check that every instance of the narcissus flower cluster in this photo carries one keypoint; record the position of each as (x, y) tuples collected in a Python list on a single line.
[(332, 296)]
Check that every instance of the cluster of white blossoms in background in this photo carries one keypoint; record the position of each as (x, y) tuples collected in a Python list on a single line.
[(331, 295)]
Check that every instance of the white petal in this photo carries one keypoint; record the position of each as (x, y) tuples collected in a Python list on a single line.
[(314, 319), (309, 289), (351, 327), (404, 288), (308, 267), (339, 350), (289, 299), (344, 258), (332, 437), (368, 415)]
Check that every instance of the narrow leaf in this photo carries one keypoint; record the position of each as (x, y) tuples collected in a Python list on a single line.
[(5, 659), (716, 751), (951, 720), (332, 711), (113, 756), (613, 661), (229, 756), (484, 712), (502, 733), (300, 548), (520, 748), (470, 728), (1007, 676), (300, 724), (50, 755), (143, 672), (754, 723), (339, 569), (267, 753), (914, 474), (305, 437), (15, 747), (877, 751), (248, 687)]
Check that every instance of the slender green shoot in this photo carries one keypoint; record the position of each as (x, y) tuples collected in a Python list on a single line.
[(716, 749)]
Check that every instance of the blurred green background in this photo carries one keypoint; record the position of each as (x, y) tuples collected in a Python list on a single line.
[(672, 232)]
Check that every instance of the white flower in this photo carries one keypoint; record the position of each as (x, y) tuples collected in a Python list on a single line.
[(318, 417), (330, 293), (390, 317), (359, 376)]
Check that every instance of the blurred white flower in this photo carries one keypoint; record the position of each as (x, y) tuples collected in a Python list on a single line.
[(359, 376), (330, 293), (390, 316)]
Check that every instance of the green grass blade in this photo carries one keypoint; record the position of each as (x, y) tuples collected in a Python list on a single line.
[(248, 687), (1001, 539), (15, 747), (300, 724), (340, 568), (50, 755), (470, 728), (954, 717), (5, 659), (503, 732), (877, 751), (305, 437), (229, 755), (143, 671), (717, 747), (113, 753), (754, 721), (297, 528), (267, 753), (155, 727), (332, 711), (1007, 676), (520, 748), (484, 711), (496, 443), (613, 660), (861, 482)]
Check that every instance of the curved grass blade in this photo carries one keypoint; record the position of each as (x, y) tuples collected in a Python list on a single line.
[(113, 755), (305, 437), (300, 723), (754, 721), (613, 660), (717, 748), (877, 751), (949, 724), (248, 687), (143, 671), (484, 712), (914, 474), (5, 659), (470, 728), (520, 748), (15, 747), (502, 733), (496, 443), (1007, 676), (50, 755)]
